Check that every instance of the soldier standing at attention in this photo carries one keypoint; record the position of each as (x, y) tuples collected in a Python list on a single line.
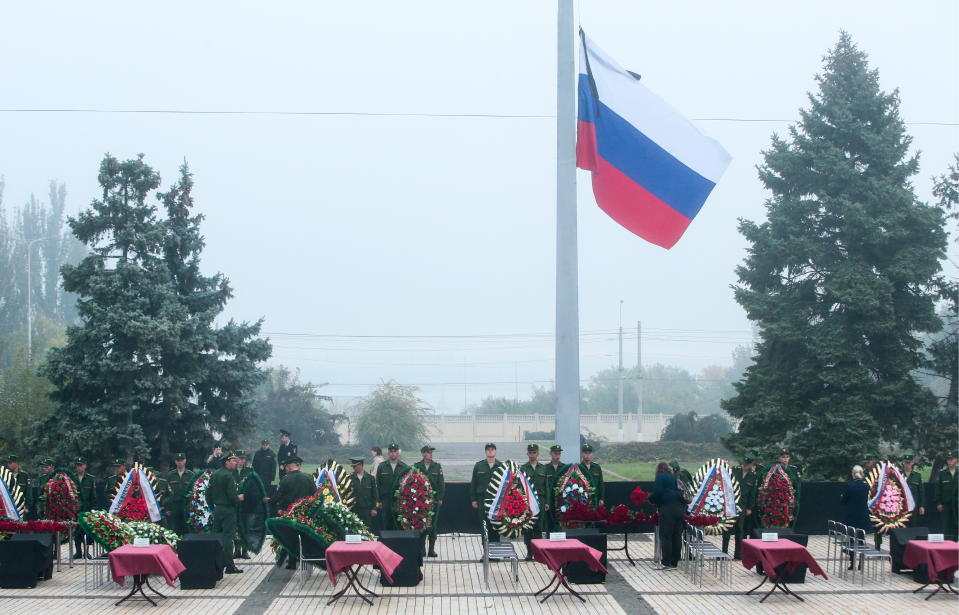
[(86, 485), (748, 480), (916, 486), (482, 474), (294, 485), (794, 477), (46, 473), (224, 499), (242, 471), (947, 494), (287, 450), (179, 480), (554, 469), (434, 472), (364, 489), (387, 474), (536, 473), (111, 483), (22, 479), (595, 472)]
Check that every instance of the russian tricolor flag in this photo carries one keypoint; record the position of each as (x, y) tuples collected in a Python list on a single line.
[(652, 169)]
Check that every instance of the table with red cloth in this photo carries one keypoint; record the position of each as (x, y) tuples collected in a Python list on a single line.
[(345, 557), (941, 560), (775, 553), (139, 562), (556, 554)]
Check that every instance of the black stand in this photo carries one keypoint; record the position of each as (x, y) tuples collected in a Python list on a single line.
[(353, 581), (139, 580), (559, 579), (777, 584), (625, 547), (941, 588)]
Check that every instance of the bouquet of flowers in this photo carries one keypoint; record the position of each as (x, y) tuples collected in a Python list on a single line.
[(61, 499), (110, 531), (777, 499), (890, 499), (638, 497), (29, 527), (579, 514), (573, 487), (199, 514), (511, 501), (415, 500), (621, 515), (158, 535), (704, 521), (716, 495)]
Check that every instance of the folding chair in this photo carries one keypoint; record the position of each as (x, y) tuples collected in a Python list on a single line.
[(870, 558)]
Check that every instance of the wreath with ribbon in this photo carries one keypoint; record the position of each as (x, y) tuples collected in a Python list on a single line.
[(11, 499), (573, 492), (511, 501), (415, 501), (135, 498), (890, 501), (254, 513), (322, 521), (715, 494), (199, 513), (333, 484), (61, 496), (777, 499)]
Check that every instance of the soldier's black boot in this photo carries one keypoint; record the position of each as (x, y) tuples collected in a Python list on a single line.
[(432, 551)]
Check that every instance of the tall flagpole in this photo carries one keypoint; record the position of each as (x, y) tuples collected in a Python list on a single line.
[(567, 276)]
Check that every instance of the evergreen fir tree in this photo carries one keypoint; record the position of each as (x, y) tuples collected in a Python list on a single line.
[(840, 279)]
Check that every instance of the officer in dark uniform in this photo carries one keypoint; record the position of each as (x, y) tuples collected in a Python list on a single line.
[(111, 483), (916, 487), (364, 490), (294, 485), (86, 485), (595, 472), (748, 480), (222, 496), (947, 496), (22, 479), (536, 474), (387, 475), (264, 464), (434, 472), (288, 449), (554, 470), (482, 475), (179, 479)]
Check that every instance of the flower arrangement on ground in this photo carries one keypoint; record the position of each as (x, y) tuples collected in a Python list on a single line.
[(777, 499), (511, 501), (572, 488), (715, 494), (61, 498), (415, 501), (199, 514), (108, 530), (158, 535), (322, 521), (890, 499), (33, 527)]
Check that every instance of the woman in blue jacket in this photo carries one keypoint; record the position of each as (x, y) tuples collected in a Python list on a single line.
[(672, 512)]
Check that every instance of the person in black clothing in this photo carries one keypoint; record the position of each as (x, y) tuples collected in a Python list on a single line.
[(667, 497), (855, 498), (264, 464), (286, 451)]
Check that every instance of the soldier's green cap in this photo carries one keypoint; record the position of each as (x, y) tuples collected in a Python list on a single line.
[(490, 445), (532, 448), (46, 461), (907, 457), (952, 455), (13, 459), (80, 460), (229, 455), (180, 456), (674, 465), (556, 448), (294, 459), (587, 448), (784, 451), (427, 449), (748, 458), (356, 460), (393, 447), (241, 453)]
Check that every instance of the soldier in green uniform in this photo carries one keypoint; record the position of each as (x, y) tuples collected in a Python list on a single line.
[(482, 474), (46, 473), (794, 477), (111, 483), (86, 485), (748, 479), (387, 475), (916, 487), (222, 496), (595, 472), (179, 479), (22, 479), (295, 485), (434, 472), (242, 471), (554, 470), (536, 474), (364, 490), (947, 494)]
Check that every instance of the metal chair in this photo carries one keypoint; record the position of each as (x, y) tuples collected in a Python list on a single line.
[(95, 569), (702, 553), (302, 564), (835, 539), (870, 558), (501, 551)]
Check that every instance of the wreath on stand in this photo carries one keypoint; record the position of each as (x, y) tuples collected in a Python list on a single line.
[(254, 513), (61, 497), (890, 501), (511, 501), (777, 499), (573, 494), (415, 501), (333, 484), (11, 499), (199, 513), (316, 518), (135, 498), (716, 494)]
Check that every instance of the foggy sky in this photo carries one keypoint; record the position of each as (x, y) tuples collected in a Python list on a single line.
[(367, 226)]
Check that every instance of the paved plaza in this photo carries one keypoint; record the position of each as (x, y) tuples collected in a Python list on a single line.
[(453, 585)]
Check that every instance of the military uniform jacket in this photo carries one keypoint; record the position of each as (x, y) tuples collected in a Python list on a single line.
[(264, 464), (222, 489), (918, 489), (595, 472), (482, 475), (552, 476), (748, 488), (537, 478), (946, 487), (285, 452), (87, 489), (179, 487), (294, 486), (435, 474), (22, 479), (364, 489), (386, 478)]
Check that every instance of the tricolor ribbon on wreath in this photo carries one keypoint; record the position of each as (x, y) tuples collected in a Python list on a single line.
[(8, 507), (496, 508), (325, 475), (729, 503), (884, 470), (146, 489)]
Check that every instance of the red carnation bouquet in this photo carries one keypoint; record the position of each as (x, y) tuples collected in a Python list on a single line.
[(30, 527), (777, 499), (415, 500), (61, 497)]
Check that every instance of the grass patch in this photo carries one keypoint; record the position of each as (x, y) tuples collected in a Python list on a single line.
[(643, 470)]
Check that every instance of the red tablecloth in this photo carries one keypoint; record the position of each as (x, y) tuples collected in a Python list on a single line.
[(773, 554), (940, 558), (341, 555), (555, 553), (128, 561)]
